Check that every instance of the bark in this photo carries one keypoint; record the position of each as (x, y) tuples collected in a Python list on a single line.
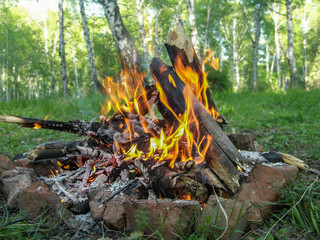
[(179, 47), (234, 54), (271, 71), (174, 19), (255, 41), (156, 33), (62, 53), (305, 23), (221, 155), (1, 79), (276, 40), (37, 85), (7, 61), (30, 86), (128, 53), (193, 26), (294, 75), (276, 18), (92, 65), (75, 70), (139, 4), (205, 45), (220, 47)]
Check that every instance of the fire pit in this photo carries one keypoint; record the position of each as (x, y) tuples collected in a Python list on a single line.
[(163, 153)]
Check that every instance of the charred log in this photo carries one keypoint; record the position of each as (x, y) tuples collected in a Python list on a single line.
[(221, 156), (181, 51)]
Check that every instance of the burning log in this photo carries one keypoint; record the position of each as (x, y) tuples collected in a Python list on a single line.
[(186, 62), (221, 155)]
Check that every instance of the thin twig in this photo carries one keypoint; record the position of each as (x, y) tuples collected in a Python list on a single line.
[(304, 193)]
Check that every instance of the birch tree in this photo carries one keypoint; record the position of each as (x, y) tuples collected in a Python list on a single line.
[(293, 71), (276, 20), (305, 27), (62, 54), (254, 40), (129, 56), (139, 4), (92, 65), (193, 26)]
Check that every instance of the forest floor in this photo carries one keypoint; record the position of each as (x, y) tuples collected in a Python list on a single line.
[(285, 122)]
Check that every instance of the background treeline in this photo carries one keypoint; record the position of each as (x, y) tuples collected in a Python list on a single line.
[(252, 38)]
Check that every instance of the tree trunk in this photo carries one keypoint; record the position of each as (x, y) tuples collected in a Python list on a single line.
[(234, 51), (30, 87), (156, 33), (255, 41), (305, 23), (276, 40), (193, 27), (62, 53), (75, 70), (139, 4), (128, 53), (205, 45), (271, 71), (291, 57), (37, 85), (1, 79), (220, 47), (93, 71)]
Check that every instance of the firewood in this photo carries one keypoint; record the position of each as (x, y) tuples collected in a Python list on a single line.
[(167, 183), (180, 48), (222, 156)]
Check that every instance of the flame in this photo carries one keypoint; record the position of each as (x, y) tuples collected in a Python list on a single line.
[(52, 174), (169, 144), (36, 126)]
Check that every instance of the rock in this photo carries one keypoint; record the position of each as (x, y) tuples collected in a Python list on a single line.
[(6, 163), (111, 212), (261, 186), (24, 162), (242, 141), (289, 172), (212, 218), (38, 199), (170, 217), (43, 167), (12, 182)]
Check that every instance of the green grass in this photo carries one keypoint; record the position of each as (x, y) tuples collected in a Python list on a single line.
[(287, 122)]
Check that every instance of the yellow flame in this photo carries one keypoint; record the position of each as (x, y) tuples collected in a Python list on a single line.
[(36, 126)]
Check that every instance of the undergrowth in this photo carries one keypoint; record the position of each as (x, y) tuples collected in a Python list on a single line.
[(286, 122)]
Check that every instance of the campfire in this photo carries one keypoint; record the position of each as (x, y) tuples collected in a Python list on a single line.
[(162, 141)]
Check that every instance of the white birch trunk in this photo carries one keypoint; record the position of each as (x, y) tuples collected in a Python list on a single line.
[(291, 56), (128, 53), (255, 41), (75, 70), (139, 4), (37, 93), (205, 45), (305, 23), (30, 87), (156, 33), (234, 50), (193, 27), (65, 79), (92, 65)]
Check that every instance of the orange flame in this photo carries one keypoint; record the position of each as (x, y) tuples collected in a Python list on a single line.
[(183, 143), (36, 126)]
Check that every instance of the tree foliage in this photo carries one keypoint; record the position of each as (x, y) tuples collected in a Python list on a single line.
[(29, 43)]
